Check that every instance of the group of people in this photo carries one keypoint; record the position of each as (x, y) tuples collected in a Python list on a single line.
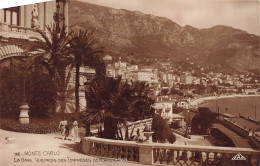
[(66, 130)]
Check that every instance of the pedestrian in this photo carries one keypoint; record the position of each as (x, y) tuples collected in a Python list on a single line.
[(74, 130), (63, 128)]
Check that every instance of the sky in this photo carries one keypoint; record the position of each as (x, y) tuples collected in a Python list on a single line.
[(240, 14)]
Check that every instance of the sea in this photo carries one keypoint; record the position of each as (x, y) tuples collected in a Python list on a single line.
[(247, 106)]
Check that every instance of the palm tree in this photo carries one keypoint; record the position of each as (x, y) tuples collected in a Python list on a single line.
[(86, 52), (115, 103), (52, 51)]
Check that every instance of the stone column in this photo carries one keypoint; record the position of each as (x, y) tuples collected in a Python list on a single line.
[(27, 16), (146, 154), (66, 14), (21, 16), (86, 146), (50, 8), (41, 15), (2, 15)]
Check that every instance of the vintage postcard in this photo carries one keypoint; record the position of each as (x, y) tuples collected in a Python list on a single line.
[(140, 82)]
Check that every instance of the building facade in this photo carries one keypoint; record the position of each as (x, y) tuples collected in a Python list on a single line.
[(18, 29)]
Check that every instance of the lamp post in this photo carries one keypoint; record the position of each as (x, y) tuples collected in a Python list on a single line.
[(24, 108), (188, 129)]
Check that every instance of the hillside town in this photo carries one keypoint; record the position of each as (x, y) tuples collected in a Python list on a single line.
[(168, 77)]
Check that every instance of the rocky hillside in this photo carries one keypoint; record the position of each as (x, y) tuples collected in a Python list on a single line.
[(126, 32)]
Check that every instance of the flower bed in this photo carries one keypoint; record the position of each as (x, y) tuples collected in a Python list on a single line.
[(36, 125)]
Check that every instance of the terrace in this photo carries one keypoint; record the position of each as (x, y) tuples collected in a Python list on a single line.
[(17, 32)]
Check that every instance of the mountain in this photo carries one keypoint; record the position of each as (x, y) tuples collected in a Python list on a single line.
[(125, 32)]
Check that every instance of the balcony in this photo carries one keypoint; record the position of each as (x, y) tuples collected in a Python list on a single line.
[(17, 32), (168, 154)]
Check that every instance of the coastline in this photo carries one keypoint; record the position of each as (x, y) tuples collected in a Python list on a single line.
[(196, 102)]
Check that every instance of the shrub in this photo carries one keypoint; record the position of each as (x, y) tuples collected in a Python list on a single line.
[(175, 125), (171, 137), (162, 131)]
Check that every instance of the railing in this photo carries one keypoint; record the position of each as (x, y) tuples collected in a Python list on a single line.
[(169, 154), (17, 32), (239, 129), (243, 131), (137, 124), (140, 122), (249, 119), (126, 150)]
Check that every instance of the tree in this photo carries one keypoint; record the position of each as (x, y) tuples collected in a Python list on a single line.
[(115, 102), (52, 51), (174, 91), (164, 91), (162, 131), (86, 52), (141, 102), (202, 121)]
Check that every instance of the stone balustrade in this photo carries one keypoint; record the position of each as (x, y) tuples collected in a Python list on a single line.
[(168, 154), (17, 32), (127, 150)]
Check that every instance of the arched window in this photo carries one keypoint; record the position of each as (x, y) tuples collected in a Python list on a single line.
[(11, 16)]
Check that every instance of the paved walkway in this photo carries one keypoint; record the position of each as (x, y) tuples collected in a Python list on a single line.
[(46, 149)]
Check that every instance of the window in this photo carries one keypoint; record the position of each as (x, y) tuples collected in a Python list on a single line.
[(11, 15)]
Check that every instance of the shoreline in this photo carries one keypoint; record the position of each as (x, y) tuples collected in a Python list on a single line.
[(196, 102)]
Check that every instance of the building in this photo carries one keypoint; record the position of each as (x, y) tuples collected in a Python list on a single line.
[(186, 79), (120, 64), (107, 58), (165, 110), (17, 25), (18, 29), (182, 104), (141, 75)]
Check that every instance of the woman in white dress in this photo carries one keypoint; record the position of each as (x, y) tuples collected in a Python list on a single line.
[(74, 130)]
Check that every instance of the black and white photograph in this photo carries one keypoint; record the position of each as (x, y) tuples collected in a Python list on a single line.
[(129, 83)]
